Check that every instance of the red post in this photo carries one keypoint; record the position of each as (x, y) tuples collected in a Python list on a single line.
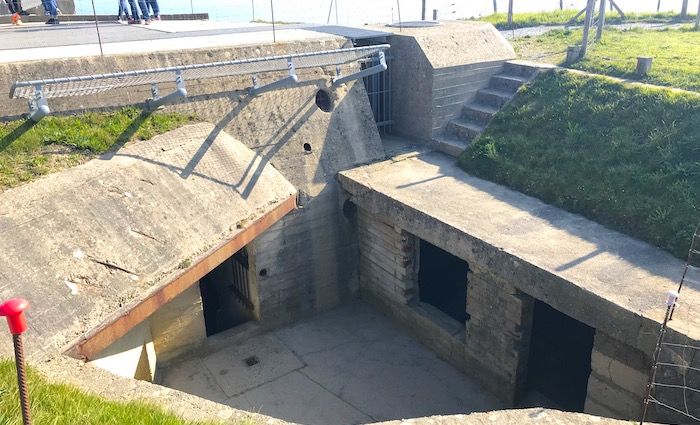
[(13, 310)]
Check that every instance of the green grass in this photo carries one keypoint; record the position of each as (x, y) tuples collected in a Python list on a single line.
[(57, 142), (562, 17), (623, 155), (676, 53), (55, 404)]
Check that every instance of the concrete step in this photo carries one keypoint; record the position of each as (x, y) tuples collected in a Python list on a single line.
[(479, 113), (507, 82), (464, 129), (449, 145), (520, 69), (493, 97)]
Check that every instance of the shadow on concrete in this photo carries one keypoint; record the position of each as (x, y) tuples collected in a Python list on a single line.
[(637, 253)]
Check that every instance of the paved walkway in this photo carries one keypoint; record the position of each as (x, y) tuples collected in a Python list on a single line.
[(351, 365), (37, 41)]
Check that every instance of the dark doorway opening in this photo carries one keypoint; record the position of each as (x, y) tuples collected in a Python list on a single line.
[(442, 281), (226, 294), (560, 357)]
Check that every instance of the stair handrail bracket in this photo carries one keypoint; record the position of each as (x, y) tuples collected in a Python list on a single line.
[(39, 91)]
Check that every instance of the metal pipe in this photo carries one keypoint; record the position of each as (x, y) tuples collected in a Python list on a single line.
[(22, 379), (272, 11), (381, 67)]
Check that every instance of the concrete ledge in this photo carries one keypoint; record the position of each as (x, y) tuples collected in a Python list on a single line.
[(599, 277)]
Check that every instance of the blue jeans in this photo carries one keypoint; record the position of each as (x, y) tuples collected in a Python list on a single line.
[(50, 7), (123, 8), (135, 11), (153, 4)]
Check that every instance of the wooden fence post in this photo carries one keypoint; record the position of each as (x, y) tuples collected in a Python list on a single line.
[(587, 28), (601, 20)]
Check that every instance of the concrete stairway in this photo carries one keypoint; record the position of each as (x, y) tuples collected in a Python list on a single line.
[(475, 116)]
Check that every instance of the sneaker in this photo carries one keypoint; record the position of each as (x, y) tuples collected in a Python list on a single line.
[(24, 13), (148, 22), (142, 21), (52, 21), (157, 18), (16, 20)]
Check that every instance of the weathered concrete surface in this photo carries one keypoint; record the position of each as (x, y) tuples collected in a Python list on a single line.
[(525, 249), (198, 90), (438, 69), (84, 245), (309, 258), (349, 365), (512, 417), (600, 277)]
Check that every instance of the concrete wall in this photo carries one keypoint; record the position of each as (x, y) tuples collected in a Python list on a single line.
[(175, 329), (493, 346), (306, 263), (498, 333), (436, 70), (178, 327), (455, 86)]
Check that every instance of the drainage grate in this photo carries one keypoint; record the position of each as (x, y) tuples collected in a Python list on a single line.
[(251, 361)]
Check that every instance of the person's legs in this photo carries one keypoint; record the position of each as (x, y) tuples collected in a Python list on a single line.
[(144, 10), (154, 6), (134, 11), (11, 6), (52, 10)]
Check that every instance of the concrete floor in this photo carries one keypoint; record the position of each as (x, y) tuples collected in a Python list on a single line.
[(351, 365)]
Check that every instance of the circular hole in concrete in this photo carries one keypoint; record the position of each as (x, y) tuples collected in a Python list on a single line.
[(324, 101), (263, 272), (307, 147)]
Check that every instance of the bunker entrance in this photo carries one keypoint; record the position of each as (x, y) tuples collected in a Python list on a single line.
[(226, 294), (560, 357), (442, 281)]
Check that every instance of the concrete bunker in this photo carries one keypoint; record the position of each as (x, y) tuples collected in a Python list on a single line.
[(230, 314)]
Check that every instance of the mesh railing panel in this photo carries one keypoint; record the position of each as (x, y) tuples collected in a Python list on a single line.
[(92, 84)]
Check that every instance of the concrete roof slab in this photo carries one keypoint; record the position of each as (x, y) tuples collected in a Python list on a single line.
[(603, 278), (86, 245)]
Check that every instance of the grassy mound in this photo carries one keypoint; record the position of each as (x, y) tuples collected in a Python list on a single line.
[(65, 405), (562, 17), (676, 53), (29, 150), (622, 155)]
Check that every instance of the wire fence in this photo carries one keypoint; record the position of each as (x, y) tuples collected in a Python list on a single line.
[(674, 385)]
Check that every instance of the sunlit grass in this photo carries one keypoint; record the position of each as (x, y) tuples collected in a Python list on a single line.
[(54, 404), (676, 53), (30, 150), (562, 17), (623, 155)]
